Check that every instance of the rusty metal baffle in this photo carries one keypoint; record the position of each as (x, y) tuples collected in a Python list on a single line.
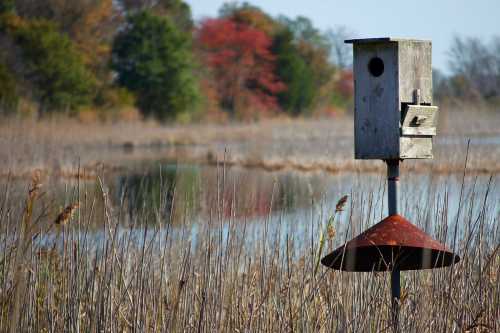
[(392, 243)]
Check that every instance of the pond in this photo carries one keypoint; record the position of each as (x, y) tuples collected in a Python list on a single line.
[(185, 200)]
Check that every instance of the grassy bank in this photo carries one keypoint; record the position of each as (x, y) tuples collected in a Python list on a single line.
[(61, 146)]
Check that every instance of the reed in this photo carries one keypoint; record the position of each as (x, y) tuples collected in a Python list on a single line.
[(57, 146), (140, 272)]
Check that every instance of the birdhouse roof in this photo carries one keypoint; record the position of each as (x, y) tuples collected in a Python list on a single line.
[(384, 40)]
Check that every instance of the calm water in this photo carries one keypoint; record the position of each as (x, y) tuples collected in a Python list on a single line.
[(189, 199)]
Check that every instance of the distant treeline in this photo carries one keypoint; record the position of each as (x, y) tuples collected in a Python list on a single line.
[(102, 57), (72, 56), (475, 72)]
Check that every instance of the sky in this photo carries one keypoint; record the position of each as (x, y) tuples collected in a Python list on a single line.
[(437, 20)]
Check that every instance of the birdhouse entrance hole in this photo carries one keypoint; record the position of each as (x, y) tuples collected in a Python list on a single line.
[(376, 66)]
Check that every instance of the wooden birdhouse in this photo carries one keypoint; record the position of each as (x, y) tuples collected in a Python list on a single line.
[(394, 116)]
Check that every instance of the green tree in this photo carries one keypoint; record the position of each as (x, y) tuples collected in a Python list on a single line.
[(293, 70), (153, 59), (304, 30), (8, 93), (53, 65), (178, 10), (7, 6), (314, 49)]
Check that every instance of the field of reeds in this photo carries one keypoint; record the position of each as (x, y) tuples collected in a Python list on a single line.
[(141, 272), (78, 255)]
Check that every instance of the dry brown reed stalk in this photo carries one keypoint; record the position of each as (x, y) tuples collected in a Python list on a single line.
[(141, 272), (298, 145), (330, 230), (23, 245)]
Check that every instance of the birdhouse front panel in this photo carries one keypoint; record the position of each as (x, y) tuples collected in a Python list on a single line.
[(376, 102)]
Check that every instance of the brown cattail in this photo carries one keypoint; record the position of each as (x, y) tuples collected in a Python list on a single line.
[(341, 203), (66, 214), (331, 232), (35, 184)]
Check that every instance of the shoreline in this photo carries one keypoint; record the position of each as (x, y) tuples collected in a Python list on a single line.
[(60, 147)]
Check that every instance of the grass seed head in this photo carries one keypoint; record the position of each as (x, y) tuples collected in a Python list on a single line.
[(331, 232), (341, 203), (66, 214), (36, 184)]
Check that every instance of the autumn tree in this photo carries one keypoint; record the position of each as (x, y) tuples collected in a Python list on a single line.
[(94, 32), (53, 66), (242, 64), (153, 59), (90, 24), (342, 89), (71, 15), (251, 16)]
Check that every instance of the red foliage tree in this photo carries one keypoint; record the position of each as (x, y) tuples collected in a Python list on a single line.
[(345, 84), (242, 64)]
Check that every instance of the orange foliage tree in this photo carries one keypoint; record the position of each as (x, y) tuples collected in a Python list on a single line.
[(242, 65), (251, 16), (345, 84)]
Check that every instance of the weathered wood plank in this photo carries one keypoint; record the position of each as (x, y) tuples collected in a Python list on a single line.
[(415, 71), (419, 120), (376, 109), (416, 147), (419, 131)]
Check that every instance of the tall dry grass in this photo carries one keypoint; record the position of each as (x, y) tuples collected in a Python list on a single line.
[(59, 145), (57, 274)]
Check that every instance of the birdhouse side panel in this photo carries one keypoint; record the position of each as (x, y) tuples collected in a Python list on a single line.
[(415, 75), (415, 71)]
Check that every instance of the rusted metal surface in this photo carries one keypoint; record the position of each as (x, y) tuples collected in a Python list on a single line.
[(393, 243)]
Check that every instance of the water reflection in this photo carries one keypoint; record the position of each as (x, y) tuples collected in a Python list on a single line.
[(187, 201), (151, 194), (183, 195), (176, 192)]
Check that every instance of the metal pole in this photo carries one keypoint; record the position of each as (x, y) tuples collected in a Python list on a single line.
[(392, 198), (392, 186)]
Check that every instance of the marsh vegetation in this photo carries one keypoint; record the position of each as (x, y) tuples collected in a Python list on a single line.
[(164, 246)]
